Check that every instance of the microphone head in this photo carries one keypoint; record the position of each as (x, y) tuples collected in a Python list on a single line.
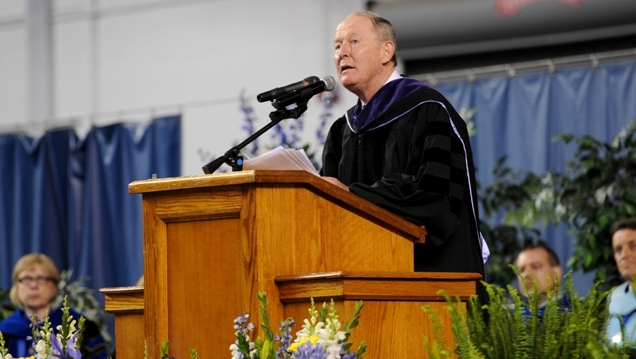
[(330, 83)]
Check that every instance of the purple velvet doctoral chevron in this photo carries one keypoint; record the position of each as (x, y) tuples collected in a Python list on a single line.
[(364, 118)]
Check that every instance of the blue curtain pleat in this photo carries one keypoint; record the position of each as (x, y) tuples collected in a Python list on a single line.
[(518, 117), (69, 198)]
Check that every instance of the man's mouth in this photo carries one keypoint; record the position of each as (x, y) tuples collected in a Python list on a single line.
[(344, 68)]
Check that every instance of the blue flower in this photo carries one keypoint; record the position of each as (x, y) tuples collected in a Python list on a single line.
[(71, 349), (286, 330), (308, 351), (248, 111), (58, 352)]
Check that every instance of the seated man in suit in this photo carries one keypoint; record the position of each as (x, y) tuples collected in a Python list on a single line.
[(540, 272), (622, 302)]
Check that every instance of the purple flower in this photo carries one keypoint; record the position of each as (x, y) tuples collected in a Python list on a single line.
[(70, 348), (248, 111), (56, 347), (285, 340), (308, 351), (58, 352)]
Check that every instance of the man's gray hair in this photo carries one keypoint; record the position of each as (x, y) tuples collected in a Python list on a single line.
[(383, 27)]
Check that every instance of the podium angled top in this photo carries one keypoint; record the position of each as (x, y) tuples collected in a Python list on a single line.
[(276, 178), (200, 181)]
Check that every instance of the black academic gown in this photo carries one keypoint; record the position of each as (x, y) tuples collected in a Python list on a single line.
[(418, 166)]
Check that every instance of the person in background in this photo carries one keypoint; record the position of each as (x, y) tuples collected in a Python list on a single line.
[(404, 147), (35, 280), (622, 302), (540, 272)]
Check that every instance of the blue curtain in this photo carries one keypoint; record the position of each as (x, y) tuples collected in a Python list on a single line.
[(518, 117), (68, 198)]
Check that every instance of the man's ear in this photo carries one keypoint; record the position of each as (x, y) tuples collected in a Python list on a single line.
[(388, 49)]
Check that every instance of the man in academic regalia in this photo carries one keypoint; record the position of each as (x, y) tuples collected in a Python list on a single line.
[(404, 147)]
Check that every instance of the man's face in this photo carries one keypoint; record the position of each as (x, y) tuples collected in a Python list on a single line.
[(535, 263), (624, 245), (359, 55)]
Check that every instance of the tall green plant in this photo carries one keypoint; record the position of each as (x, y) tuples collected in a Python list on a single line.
[(509, 196), (597, 188), (6, 307), (81, 299), (558, 333)]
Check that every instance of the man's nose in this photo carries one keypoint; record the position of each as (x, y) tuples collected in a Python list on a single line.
[(343, 51), (526, 274)]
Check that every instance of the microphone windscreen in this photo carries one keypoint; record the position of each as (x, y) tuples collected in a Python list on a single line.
[(330, 83)]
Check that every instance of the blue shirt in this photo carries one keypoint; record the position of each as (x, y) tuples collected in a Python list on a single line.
[(622, 304)]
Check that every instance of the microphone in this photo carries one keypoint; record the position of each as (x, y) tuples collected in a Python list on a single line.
[(304, 94), (280, 91)]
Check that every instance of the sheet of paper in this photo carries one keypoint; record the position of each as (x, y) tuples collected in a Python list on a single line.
[(281, 158)]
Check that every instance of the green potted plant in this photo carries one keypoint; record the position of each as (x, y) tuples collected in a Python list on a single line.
[(597, 188), (508, 332)]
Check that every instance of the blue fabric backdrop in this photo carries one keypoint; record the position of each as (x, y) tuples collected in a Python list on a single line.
[(518, 117), (68, 198)]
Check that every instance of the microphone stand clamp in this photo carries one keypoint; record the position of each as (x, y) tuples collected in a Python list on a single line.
[(233, 158)]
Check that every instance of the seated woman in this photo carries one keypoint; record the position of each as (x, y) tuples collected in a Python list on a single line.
[(35, 280)]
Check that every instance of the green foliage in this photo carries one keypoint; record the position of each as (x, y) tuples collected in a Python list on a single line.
[(267, 347), (165, 351), (508, 332), (3, 349), (505, 242), (6, 307), (510, 195), (165, 347), (596, 189), (81, 299)]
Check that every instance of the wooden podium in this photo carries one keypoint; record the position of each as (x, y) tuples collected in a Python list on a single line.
[(212, 242)]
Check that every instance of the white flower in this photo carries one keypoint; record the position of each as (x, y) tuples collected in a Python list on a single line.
[(41, 350), (235, 352), (8, 356)]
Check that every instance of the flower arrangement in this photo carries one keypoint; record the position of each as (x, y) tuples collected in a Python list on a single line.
[(60, 344), (319, 338)]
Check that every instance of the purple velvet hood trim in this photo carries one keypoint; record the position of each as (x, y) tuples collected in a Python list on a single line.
[(369, 117)]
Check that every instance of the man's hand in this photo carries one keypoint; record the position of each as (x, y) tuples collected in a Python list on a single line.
[(334, 180)]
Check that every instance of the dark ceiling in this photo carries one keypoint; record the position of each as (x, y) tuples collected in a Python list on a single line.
[(458, 34)]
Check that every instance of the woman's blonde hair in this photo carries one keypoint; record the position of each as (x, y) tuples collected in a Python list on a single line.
[(27, 262)]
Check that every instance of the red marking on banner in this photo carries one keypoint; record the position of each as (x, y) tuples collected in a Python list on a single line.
[(510, 7)]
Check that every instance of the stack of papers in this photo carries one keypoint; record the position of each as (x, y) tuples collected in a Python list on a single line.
[(281, 158)]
